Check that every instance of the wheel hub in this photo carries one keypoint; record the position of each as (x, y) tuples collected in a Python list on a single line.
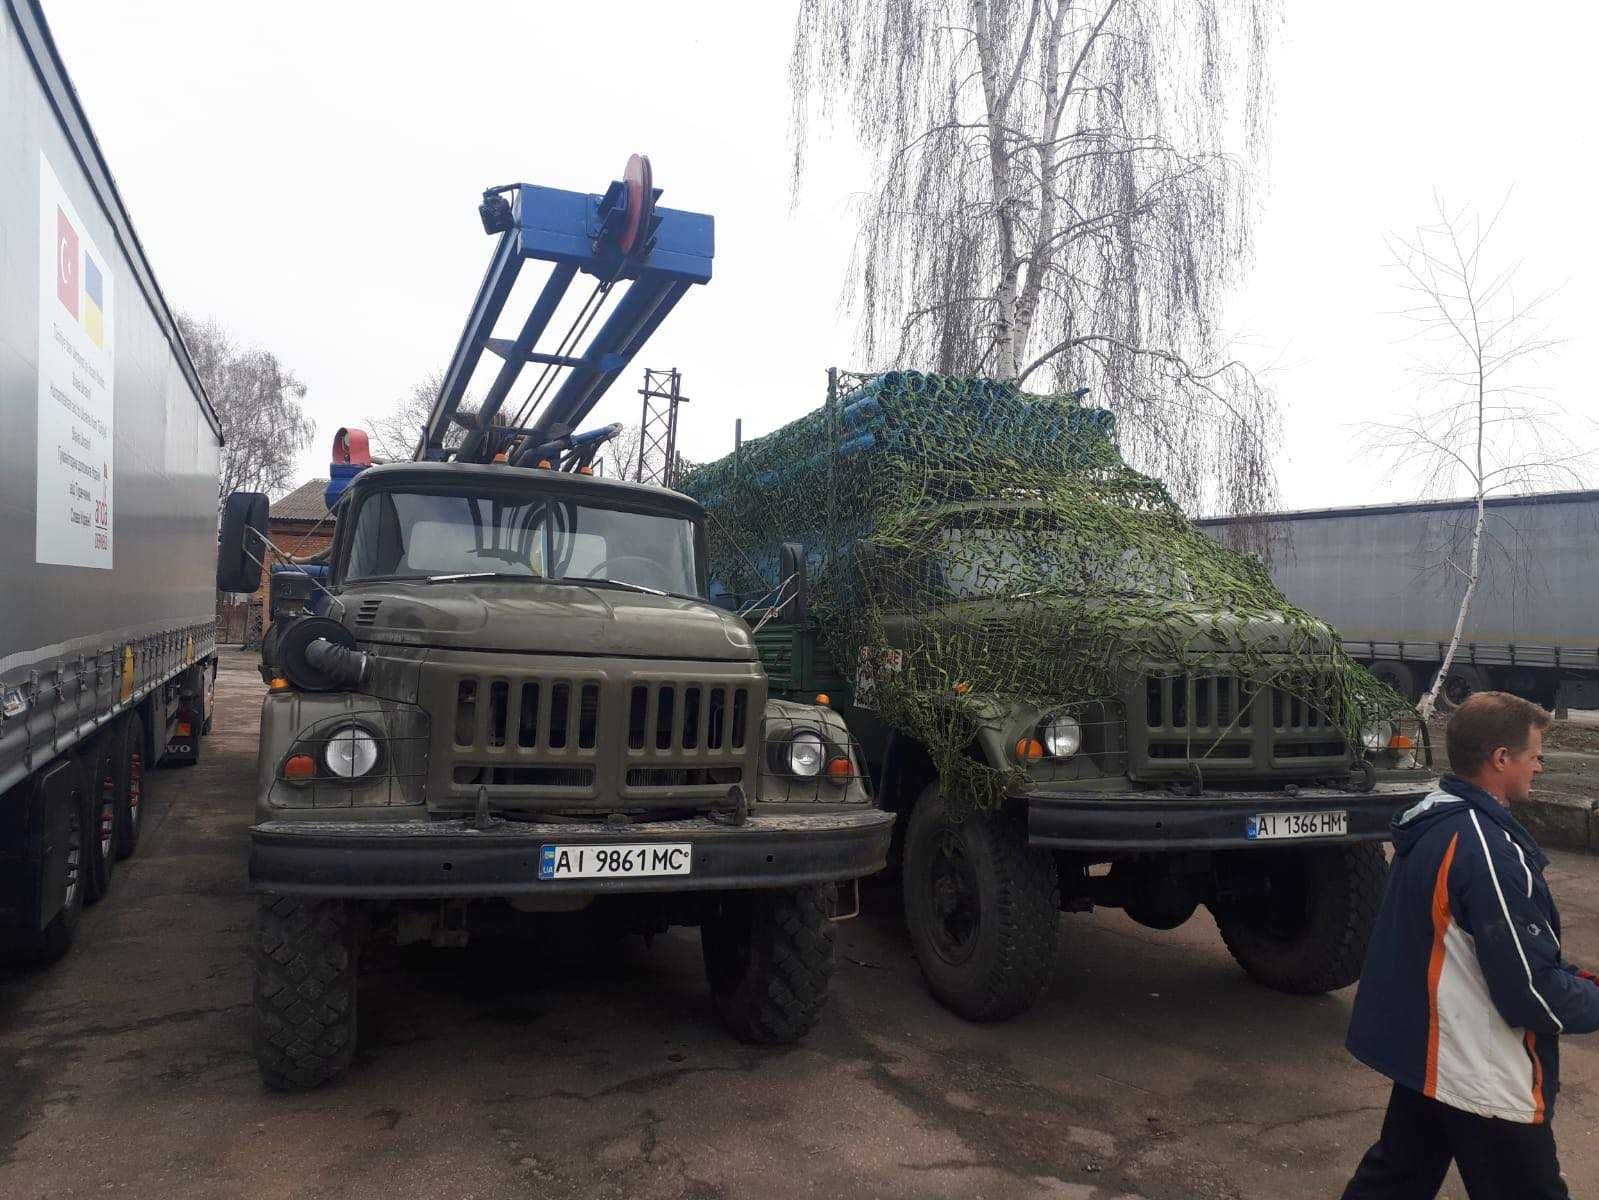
[(953, 886)]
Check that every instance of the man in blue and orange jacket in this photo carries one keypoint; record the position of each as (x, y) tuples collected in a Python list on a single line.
[(1465, 992)]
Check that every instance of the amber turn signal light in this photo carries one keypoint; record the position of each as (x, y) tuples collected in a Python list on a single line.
[(840, 770), (299, 766), (1029, 750), (1400, 742)]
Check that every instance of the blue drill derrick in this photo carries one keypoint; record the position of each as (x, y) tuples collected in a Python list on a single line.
[(579, 234)]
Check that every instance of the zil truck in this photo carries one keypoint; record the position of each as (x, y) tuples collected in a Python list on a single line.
[(508, 705), (108, 511), (1068, 696)]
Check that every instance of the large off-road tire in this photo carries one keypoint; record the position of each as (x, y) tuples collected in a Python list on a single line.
[(981, 907), (97, 764), (769, 957), (305, 972), (1308, 933), (130, 784)]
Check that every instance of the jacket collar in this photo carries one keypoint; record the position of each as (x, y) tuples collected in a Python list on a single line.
[(1499, 814)]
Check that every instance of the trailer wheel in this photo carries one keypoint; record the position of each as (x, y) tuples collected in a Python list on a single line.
[(769, 958), (99, 768), (1398, 676), (1463, 681), (981, 907), (63, 809), (305, 976), (130, 784), (1305, 931)]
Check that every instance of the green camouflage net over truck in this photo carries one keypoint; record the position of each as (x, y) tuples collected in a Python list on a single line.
[(972, 549)]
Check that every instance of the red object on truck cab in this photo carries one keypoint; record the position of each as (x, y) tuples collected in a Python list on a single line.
[(350, 446)]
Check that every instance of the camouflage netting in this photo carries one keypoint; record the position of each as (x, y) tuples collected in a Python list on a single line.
[(999, 544)]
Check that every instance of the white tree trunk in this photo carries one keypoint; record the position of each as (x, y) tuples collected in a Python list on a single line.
[(1429, 702), (996, 98)]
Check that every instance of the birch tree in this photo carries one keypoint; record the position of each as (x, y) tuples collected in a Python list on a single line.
[(257, 399), (1478, 425), (1061, 194)]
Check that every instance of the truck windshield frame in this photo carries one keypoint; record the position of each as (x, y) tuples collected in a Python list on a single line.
[(420, 533)]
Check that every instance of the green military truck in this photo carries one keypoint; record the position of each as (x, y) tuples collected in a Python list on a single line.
[(1069, 696), (519, 702), (508, 704)]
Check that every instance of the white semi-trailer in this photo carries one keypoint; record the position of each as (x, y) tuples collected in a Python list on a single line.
[(108, 511), (1389, 578)]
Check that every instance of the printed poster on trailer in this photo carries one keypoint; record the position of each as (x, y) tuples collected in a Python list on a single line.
[(77, 367)]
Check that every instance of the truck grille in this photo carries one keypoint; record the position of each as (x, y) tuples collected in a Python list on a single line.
[(1229, 726), (690, 716), (613, 739)]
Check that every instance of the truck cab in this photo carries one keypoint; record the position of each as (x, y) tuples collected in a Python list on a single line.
[(520, 704)]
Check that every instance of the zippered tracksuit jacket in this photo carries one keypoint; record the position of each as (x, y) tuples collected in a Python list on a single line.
[(1465, 992)]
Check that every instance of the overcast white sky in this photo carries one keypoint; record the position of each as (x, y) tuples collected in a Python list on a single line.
[(308, 174)]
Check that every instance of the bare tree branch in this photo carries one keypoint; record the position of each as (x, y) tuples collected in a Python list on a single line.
[(257, 399), (1471, 330), (1045, 173)]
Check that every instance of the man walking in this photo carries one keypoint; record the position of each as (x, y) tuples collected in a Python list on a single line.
[(1465, 992)]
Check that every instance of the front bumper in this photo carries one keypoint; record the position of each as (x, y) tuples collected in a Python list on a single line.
[(454, 859), (1158, 821)]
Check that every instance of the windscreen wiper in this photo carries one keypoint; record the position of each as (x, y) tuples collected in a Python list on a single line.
[(460, 575), (629, 585)]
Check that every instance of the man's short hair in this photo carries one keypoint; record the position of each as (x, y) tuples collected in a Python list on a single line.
[(1487, 721)]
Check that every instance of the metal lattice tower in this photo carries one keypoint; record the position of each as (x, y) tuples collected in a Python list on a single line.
[(657, 444)]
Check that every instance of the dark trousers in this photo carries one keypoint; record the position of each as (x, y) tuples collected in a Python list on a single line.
[(1420, 1137)]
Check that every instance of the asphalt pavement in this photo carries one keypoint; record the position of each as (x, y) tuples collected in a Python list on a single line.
[(1153, 1068)]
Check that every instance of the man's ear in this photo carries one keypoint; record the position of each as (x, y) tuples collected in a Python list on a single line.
[(1500, 759)]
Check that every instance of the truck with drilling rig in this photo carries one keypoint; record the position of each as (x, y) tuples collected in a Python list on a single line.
[(1067, 694), (508, 703), (108, 493)]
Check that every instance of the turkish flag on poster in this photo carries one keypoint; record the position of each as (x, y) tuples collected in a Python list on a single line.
[(67, 263)]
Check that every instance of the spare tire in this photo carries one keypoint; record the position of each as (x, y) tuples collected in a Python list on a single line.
[(241, 543)]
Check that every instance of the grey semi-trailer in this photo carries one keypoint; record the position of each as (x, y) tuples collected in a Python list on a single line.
[(108, 512)]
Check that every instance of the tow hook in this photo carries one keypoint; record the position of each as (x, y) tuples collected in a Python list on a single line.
[(482, 819), (740, 805)]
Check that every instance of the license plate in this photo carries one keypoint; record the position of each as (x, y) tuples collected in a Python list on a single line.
[(609, 862), (1269, 826)]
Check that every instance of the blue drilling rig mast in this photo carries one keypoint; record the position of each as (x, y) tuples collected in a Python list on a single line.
[(642, 259)]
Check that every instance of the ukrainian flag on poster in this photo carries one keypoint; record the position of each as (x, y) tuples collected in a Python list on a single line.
[(94, 302)]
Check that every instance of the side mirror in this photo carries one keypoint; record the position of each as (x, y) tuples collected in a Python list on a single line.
[(242, 543), (791, 565)]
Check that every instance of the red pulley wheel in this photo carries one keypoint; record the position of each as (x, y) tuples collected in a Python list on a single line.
[(640, 200)]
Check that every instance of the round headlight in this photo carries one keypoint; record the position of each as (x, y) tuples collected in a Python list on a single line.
[(1063, 737), (805, 753), (351, 752), (1375, 737)]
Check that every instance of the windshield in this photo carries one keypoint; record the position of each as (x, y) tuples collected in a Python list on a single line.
[(977, 563), (421, 535)]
